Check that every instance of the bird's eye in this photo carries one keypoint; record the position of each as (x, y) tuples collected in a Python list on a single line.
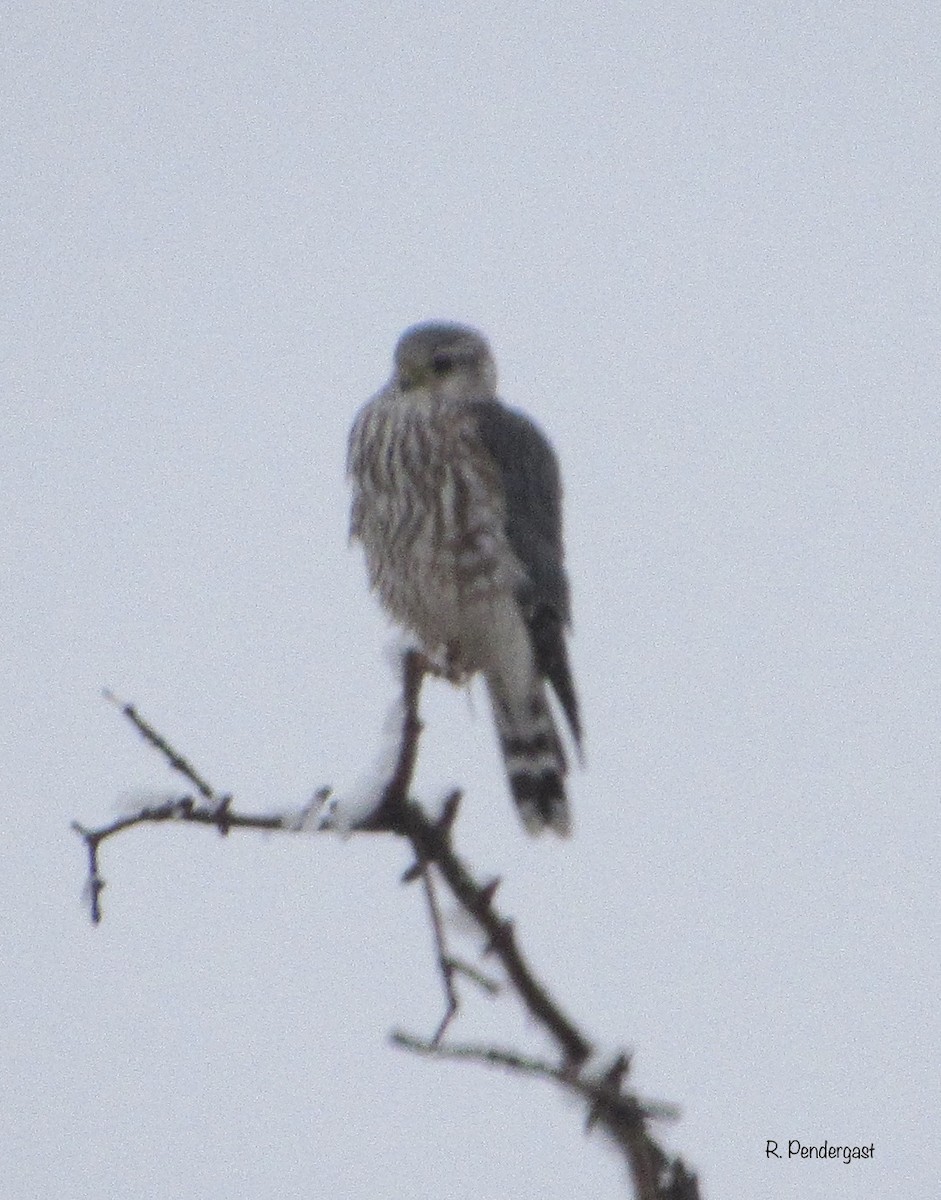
[(442, 363)]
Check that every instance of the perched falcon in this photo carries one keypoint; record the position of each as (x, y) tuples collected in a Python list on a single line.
[(457, 501)]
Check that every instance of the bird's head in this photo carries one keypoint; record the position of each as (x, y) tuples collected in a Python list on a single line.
[(447, 362)]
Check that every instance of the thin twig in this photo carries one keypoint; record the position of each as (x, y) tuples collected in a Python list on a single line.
[(183, 810), (494, 1056), (445, 967), (460, 967), (147, 731)]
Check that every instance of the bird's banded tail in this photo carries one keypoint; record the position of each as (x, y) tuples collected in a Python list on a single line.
[(534, 759)]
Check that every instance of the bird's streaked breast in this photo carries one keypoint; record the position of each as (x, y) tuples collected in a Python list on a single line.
[(429, 509)]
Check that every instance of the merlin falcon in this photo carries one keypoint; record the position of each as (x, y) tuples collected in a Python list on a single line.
[(457, 501)]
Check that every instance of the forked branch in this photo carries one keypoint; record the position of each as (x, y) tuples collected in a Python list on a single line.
[(609, 1106)]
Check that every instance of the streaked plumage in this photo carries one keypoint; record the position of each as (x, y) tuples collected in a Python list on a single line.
[(457, 501)]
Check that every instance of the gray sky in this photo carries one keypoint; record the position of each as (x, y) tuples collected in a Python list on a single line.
[(705, 245)]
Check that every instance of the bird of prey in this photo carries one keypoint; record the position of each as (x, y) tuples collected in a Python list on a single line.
[(457, 502)]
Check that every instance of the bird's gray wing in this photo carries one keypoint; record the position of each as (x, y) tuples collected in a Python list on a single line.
[(532, 488)]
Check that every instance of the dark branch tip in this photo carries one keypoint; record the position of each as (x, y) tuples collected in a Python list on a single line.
[(489, 890), (222, 815), (449, 812), (616, 1073), (414, 872)]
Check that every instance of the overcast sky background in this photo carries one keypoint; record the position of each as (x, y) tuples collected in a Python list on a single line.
[(704, 242)]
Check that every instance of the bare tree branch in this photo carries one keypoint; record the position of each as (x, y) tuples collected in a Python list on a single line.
[(626, 1120), (595, 1090), (623, 1117)]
